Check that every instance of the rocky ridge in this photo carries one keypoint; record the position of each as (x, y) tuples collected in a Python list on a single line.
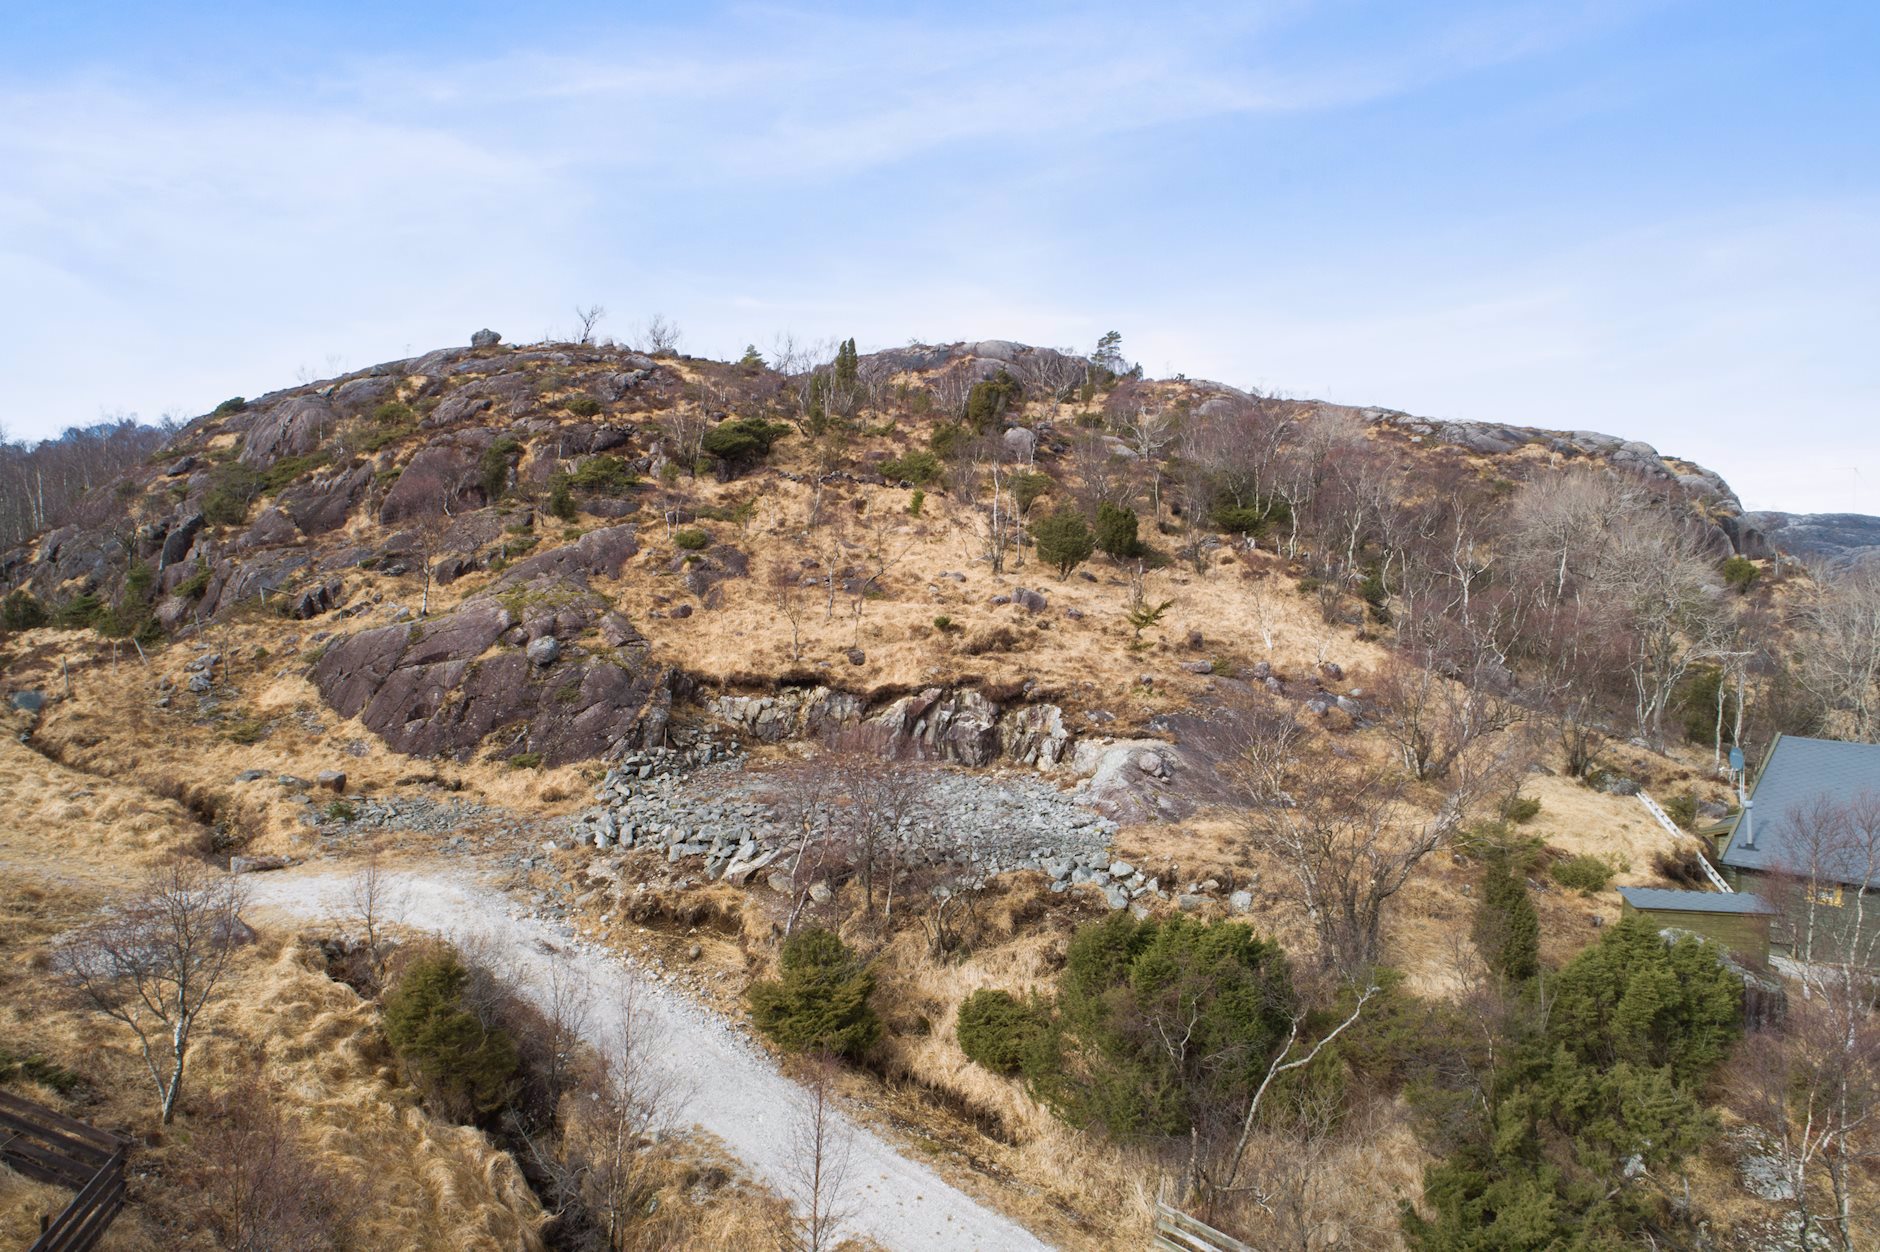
[(298, 503)]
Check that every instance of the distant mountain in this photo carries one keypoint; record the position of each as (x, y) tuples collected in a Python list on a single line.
[(1823, 537)]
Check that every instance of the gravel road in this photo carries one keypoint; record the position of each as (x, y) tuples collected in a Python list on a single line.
[(732, 1089)]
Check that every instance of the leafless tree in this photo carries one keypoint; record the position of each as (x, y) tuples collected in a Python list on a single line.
[(982, 482), (376, 897), (566, 1004), (1053, 372), (783, 588), (1316, 443), (1347, 830), (589, 316), (802, 796), (684, 427), (1662, 579), (1100, 475), (1150, 429), (951, 388), (877, 799), (1262, 598), (821, 1144), (615, 1122), (883, 548), (1562, 524), (1435, 718), (1813, 1075), (52, 482), (1840, 662), (156, 962), (660, 336)]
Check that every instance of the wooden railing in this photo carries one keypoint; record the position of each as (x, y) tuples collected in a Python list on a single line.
[(53, 1148), (1175, 1231)]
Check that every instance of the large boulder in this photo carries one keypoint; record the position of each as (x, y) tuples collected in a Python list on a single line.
[(323, 502), (958, 726), (270, 530), (362, 395), (435, 688), (496, 398), (294, 427), (597, 554), (182, 537), (441, 477), (1035, 735), (259, 577), (485, 338)]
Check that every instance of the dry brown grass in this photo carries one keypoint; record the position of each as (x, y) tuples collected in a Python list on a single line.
[(151, 778), (1086, 663), (430, 1185)]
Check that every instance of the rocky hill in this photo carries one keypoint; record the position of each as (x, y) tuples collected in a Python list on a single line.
[(571, 619), (541, 552), (1834, 538)]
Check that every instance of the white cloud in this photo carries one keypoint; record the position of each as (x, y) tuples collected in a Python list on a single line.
[(891, 178)]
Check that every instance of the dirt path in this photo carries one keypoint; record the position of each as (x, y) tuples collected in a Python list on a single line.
[(734, 1091)]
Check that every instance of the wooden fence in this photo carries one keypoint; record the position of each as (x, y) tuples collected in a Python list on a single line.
[(1175, 1231), (46, 1146)]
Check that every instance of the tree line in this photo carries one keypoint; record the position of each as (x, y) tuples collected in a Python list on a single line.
[(43, 483)]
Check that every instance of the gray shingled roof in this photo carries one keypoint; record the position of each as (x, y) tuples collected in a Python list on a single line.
[(1798, 774), (1693, 901)]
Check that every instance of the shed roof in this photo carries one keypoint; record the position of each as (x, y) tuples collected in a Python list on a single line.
[(1797, 774), (1660, 900)]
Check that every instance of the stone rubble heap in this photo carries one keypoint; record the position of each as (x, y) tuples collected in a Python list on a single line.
[(700, 805)]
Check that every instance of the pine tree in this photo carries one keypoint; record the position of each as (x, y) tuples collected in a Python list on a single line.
[(466, 1066), (1064, 540), (848, 364), (1116, 531), (820, 1003), (1507, 931)]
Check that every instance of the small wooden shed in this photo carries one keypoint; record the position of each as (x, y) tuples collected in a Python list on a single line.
[(1736, 920)]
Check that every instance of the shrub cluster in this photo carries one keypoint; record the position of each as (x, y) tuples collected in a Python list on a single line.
[(820, 1001), (743, 441), (1097, 1052), (997, 1031), (918, 468), (1582, 873), (1064, 540), (1116, 531), (466, 1066), (22, 611), (1605, 1082)]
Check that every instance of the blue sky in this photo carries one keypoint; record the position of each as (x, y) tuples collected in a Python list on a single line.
[(1660, 220)]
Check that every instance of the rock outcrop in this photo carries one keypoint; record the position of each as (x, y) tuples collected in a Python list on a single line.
[(1830, 538), (445, 686), (961, 727)]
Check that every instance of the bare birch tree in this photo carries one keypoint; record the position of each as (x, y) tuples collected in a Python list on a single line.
[(1840, 661), (821, 1143), (156, 963), (589, 316), (376, 897), (615, 1123), (1348, 831), (1814, 1075)]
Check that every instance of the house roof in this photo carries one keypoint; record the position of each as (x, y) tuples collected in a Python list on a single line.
[(1657, 899), (1797, 775)]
